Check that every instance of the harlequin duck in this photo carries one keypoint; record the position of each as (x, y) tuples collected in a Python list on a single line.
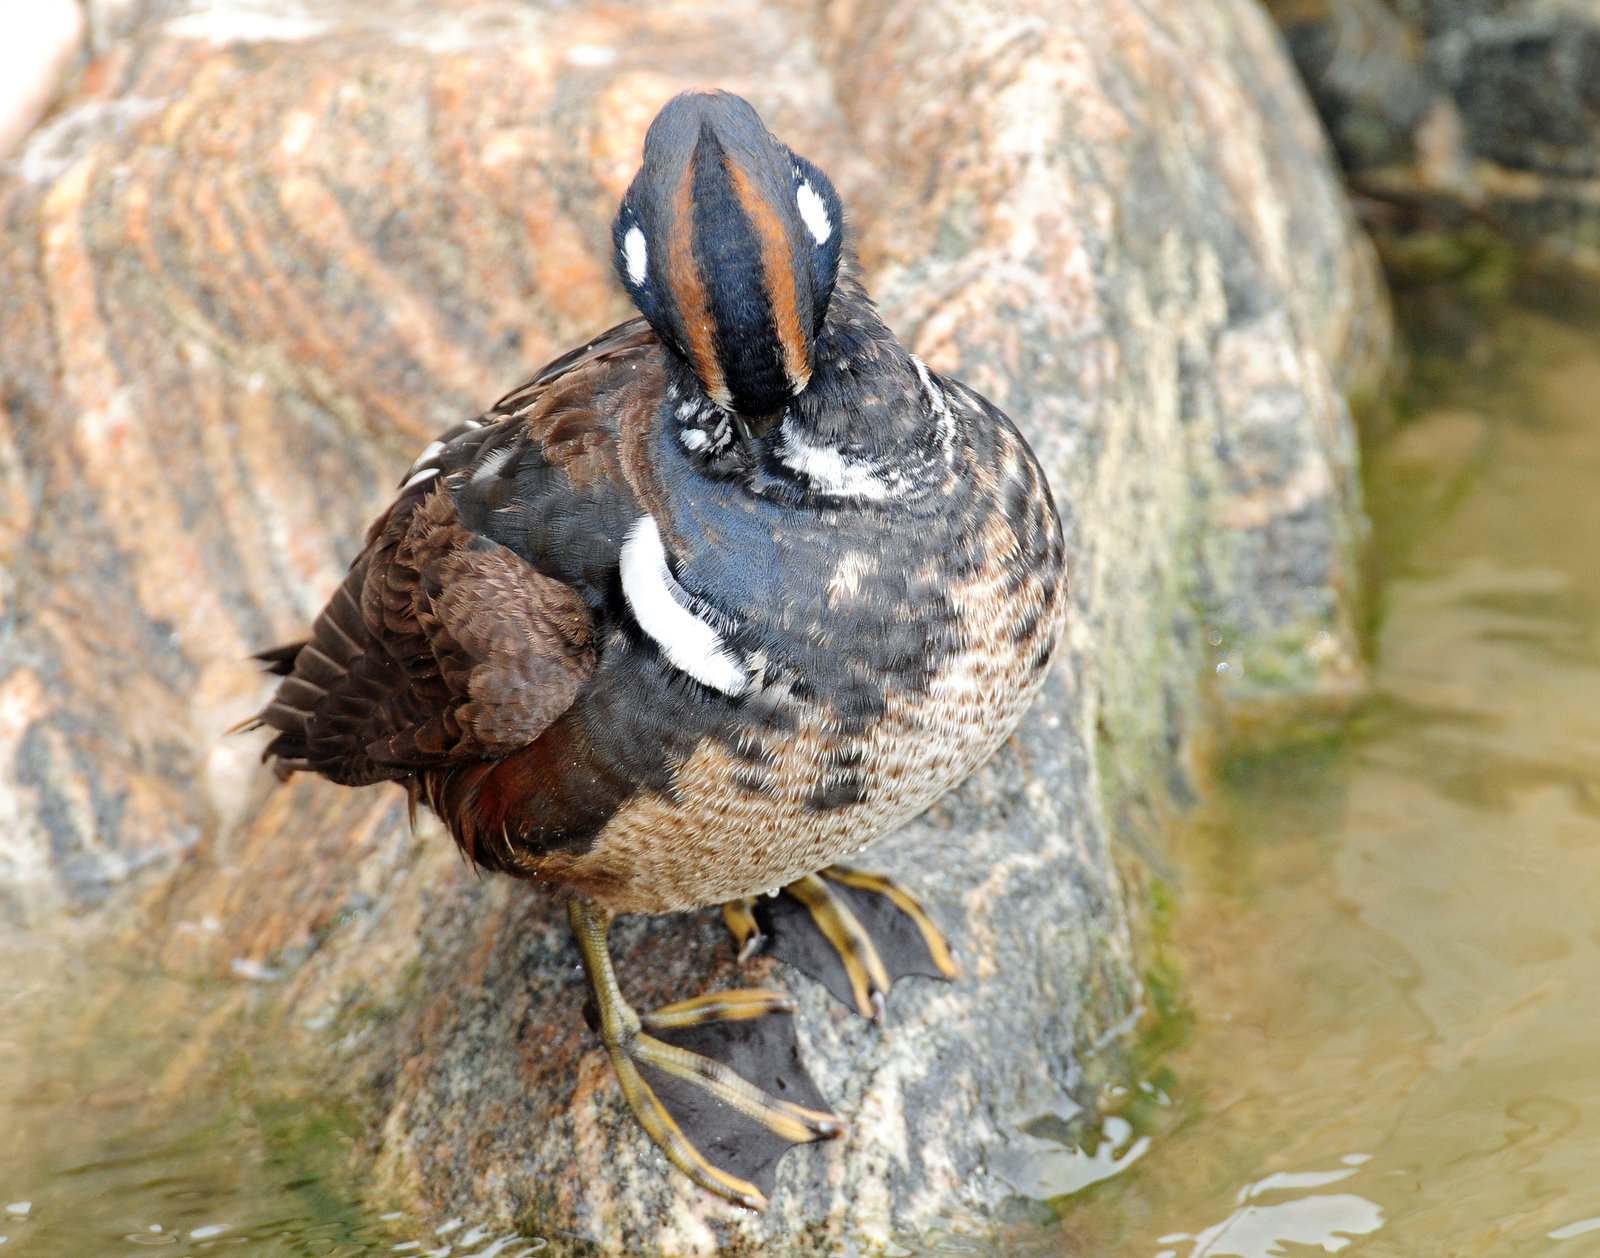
[(707, 605)]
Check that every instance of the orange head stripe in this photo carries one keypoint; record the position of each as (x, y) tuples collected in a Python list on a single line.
[(777, 263), (683, 275)]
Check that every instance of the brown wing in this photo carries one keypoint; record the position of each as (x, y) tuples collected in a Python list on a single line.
[(439, 644), (626, 339), (451, 638)]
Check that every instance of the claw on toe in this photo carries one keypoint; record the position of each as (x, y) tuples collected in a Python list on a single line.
[(716, 1081), (852, 931), (740, 917)]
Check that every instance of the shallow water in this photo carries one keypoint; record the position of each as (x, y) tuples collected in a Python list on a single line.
[(1391, 939), (127, 1126), (1389, 942)]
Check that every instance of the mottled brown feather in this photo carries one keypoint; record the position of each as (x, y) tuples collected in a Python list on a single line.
[(511, 645)]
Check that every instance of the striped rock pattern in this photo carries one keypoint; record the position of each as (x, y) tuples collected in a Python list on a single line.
[(257, 261)]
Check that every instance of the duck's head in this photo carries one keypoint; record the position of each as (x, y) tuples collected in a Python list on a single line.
[(729, 244)]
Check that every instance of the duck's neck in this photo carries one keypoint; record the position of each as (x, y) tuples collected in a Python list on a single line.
[(870, 426)]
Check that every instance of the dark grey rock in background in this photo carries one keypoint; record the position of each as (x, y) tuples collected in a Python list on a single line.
[(1493, 105), (1526, 81)]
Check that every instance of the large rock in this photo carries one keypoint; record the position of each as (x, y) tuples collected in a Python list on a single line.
[(42, 39), (261, 257)]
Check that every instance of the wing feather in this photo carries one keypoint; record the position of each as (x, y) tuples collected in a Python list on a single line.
[(459, 634)]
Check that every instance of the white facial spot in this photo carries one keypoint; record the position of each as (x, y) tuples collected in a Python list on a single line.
[(662, 608), (635, 254), (814, 213)]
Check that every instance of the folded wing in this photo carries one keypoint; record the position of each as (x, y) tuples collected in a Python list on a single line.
[(460, 632)]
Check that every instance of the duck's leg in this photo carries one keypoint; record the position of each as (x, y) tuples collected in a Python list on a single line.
[(716, 1081), (854, 932)]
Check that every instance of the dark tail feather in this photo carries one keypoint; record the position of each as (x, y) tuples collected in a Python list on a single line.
[(330, 705), (280, 659)]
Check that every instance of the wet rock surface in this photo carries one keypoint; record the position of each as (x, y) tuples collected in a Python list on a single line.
[(265, 253)]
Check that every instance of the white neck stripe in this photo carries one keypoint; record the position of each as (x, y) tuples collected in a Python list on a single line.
[(832, 471)]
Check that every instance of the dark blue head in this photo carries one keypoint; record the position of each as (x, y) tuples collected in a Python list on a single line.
[(729, 244)]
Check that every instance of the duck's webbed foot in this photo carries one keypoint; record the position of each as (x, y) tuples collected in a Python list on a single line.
[(855, 933), (716, 1081)]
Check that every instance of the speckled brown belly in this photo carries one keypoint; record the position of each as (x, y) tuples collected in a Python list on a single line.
[(710, 839)]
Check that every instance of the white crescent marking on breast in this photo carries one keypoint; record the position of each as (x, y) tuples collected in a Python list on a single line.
[(660, 605)]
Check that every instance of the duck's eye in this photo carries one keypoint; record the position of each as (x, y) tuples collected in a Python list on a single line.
[(636, 254), (813, 212)]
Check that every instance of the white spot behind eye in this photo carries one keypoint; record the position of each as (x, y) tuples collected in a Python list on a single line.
[(635, 254), (814, 213)]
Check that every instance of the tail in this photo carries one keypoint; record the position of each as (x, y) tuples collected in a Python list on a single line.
[(279, 660), (334, 685)]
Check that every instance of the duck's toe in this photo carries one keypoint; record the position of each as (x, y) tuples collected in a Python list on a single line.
[(740, 918), (718, 1083), (855, 933)]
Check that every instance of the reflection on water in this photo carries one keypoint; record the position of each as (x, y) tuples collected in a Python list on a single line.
[(1040, 1168), (1256, 1230), (1391, 941)]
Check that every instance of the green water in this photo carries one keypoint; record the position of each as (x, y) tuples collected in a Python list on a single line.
[(128, 1124), (1390, 939), (1387, 942)]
